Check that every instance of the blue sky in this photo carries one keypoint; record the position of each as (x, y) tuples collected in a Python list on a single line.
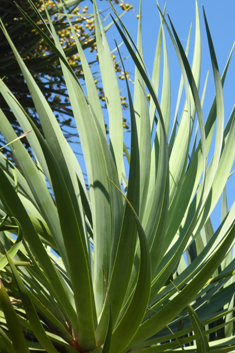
[(220, 16)]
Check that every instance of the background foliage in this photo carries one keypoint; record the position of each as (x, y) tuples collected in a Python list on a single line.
[(43, 62)]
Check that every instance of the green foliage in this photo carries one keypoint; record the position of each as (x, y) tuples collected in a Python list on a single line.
[(103, 268), (42, 62)]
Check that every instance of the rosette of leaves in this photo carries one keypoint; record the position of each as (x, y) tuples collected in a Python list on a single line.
[(103, 269)]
